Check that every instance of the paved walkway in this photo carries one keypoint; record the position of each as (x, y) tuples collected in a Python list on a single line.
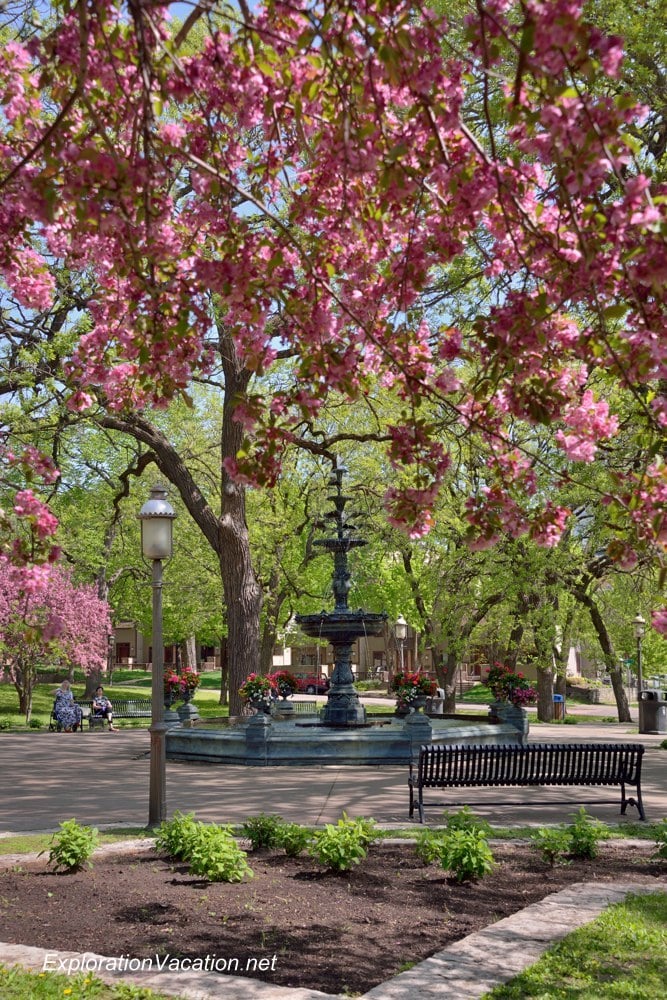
[(103, 779)]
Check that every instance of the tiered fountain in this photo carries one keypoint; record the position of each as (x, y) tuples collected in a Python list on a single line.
[(342, 735), (342, 627)]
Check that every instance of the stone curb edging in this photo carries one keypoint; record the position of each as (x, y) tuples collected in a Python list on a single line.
[(186, 984), (473, 966), (466, 969)]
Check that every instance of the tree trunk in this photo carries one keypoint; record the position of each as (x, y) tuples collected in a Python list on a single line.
[(608, 654), (24, 681), (25, 701), (447, 681), (545, 673), (267, 645), (243, 593), (276, 596), (447, 666), (545, 694), (228, 534), (512, 652), (562, 653)]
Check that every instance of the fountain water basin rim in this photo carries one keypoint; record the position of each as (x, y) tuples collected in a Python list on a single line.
[(261, 742)]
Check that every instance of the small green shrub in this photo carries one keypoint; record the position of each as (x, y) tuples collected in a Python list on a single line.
[(262, 830), (428, 846), (367, 828), (72, 846), (5, 724), (552, 843), (35, 724), (465, 819), (343, 845), (466, 854), (293, 839), (663, 745), (214, 854), (584, 835), (569, 720), (176, 835), (661, 840)]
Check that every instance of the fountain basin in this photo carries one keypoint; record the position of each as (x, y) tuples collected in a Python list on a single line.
[(261, 742)]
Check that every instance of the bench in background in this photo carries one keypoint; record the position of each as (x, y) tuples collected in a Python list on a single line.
[(122, 708), (461, 766)]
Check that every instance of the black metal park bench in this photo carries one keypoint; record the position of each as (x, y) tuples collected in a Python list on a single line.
[(130, 708), (461, 766)]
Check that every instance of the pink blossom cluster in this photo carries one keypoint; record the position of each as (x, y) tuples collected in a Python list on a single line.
[(62, 618), (321, 238)]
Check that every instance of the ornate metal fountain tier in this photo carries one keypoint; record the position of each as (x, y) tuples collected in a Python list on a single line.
[(342, 627)]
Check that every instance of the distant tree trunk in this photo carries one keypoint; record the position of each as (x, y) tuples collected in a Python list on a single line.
[(268, 642), (447, 681), (545, 694), (447, 665), (93, 680), (24, 682), (224, 673), (189, 653), (608, 654), (545, 677), (512, 652), (276, 596), (562, 653)]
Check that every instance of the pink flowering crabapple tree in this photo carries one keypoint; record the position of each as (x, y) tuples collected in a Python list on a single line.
[(58, 622), (304, 171)]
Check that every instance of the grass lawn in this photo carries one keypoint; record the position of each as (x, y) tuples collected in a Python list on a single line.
[(33, 843), (479, 694), (620, 956), (17, 984), (42, 703)]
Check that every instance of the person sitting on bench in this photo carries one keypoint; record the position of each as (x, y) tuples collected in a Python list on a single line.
[(66, 712), (103, 709)]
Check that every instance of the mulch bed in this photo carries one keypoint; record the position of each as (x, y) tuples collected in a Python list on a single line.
[(329, 932)]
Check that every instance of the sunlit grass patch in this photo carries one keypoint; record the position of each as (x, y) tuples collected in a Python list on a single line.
[(620, 956)]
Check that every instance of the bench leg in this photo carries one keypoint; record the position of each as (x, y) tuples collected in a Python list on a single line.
[(639, 803), (625, 802), (420, 804)]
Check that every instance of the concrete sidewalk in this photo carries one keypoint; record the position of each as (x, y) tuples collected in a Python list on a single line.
[(101, 778)]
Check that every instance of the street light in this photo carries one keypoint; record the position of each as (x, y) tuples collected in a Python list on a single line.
[(640, 630), (110, 651), (401, 633), (157, 517)]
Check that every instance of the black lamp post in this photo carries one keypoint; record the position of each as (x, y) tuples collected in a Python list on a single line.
[(401, 633), (110, 651), (640, 630), (157, 517)]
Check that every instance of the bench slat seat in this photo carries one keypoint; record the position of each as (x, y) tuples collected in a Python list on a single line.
[(582, 764)]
